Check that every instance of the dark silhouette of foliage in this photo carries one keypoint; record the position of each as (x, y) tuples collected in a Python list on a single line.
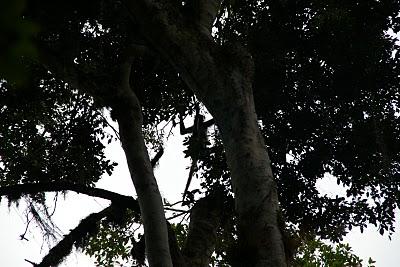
[(326, 94)]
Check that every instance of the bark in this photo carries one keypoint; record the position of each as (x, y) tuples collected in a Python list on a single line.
[(129, 117), (205, 218), (203, 13), (222, 78), (256, 199)]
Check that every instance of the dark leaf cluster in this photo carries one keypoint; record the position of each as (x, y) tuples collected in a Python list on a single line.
[(326, 91), (49, 132)]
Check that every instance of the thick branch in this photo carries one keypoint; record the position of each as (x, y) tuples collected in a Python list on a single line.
[(129, 117), (64, 247), (34, 188), (204, 12), (157, 157), (126, 108), (205, 219)]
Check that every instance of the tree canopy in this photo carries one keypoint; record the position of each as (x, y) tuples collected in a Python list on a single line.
[(322, 77)]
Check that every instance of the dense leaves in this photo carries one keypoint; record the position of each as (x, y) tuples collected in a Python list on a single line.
[(315, 253), (326, 90), (113, 242), (93, 37), (49, 132)]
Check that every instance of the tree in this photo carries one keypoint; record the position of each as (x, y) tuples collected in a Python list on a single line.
[(322, 79)]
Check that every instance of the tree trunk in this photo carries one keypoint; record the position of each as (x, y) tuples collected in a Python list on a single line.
[(229, 98), (221, 77), (256, 198), (129, 116), (205, 219)]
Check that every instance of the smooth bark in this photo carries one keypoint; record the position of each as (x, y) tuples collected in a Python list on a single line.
[(129, 117)]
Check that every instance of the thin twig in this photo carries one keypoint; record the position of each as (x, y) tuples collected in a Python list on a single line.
[(112, 127), (171, 205), (178, 210), (177, 215), (28, 221)]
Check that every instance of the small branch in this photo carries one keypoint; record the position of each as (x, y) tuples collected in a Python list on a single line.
[(157, 157), (109, 125), (177, 215), (34, 188), (178, 210), (171, 205), (28, 222)]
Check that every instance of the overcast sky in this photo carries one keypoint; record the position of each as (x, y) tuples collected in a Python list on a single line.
[(171, 175)]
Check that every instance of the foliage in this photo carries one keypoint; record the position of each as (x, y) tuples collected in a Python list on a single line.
[(315, 253), (326, 91), (112, 244), (50, 133), (180, 230)]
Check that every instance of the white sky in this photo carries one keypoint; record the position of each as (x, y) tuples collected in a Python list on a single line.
[(171, 175)]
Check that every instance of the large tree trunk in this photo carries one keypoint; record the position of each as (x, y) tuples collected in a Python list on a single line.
[(256, 199), (129, 116), (222, 78)]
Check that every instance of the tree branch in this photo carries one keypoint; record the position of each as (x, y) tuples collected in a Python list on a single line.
[(118, 94), (205, 219), (188, 49), (157, 157), (34, 188), (63, 248), (129, 117), (204, 12)]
